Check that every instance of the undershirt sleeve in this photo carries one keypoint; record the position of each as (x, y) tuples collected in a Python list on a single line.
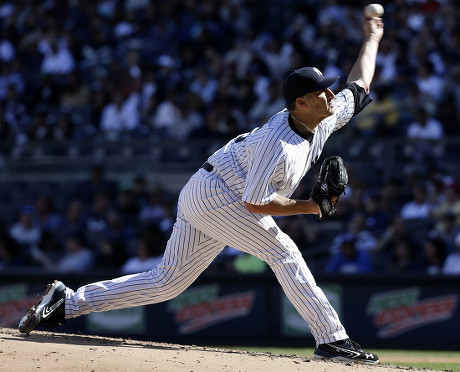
[(362, 99)]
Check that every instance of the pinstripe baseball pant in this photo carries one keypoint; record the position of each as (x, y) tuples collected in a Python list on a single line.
[(210, 216)]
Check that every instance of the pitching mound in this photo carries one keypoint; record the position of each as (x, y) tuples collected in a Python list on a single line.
[(67, 352)]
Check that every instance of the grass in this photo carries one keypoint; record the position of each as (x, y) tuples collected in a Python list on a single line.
[(434, 360)]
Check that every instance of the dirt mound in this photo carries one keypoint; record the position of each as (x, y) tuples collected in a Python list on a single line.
[(69, 352)]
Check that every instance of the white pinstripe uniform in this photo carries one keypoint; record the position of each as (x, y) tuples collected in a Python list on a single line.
[(253, 168)]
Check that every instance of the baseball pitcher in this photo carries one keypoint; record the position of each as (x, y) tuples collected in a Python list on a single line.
[(231, 199)]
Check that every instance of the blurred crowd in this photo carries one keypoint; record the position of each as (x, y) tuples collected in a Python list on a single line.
[(185, 69)]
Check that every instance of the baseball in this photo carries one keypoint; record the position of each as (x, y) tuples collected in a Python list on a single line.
[(373, 10)]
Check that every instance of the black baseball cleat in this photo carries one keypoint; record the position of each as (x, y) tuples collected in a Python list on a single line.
[(49, 311), (345, 350)]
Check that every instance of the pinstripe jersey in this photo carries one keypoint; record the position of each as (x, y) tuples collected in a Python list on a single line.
[(273, 159)]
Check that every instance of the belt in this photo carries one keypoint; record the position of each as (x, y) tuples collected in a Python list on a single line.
[(207, 166)]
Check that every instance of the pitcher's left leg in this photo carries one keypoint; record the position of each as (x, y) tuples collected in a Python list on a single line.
[(188, 253)]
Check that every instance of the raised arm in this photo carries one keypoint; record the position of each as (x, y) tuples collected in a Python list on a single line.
[(364, 67)]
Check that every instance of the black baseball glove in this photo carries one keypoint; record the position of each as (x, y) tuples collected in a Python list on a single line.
[(332, 181)]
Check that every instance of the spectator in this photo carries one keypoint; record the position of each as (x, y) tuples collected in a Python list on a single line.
[(77, 259), (276, 53), (119, 115), (5, 128), (403, 258), (7, 50), (428, 81), (386, 256), (110, 254), (15, 110), (167, 114), (435, 253), (349, 260), (188, 120), (266, 106), (46, 216), (377, 219), (424, 133), (304, 235), (46, 94), (11, 254), (205, 86), (41, 129), (448, 229), (396, 231), (148, 254), (140, 190), (96, 223), (75, 94), (97, 103), (96, 184), (64, 129), (49, 250), (25, 231), (153, 212), (382, 117), (166, 222), (126, 205), (451, 106), (387, 60), (116, 229), (364, 239), (57, 58), (419, 207), (10, 77), (451, 204), (393, 196), (452, 264), (74, 220)]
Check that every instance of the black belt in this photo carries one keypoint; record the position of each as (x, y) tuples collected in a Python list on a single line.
[(208, 167)]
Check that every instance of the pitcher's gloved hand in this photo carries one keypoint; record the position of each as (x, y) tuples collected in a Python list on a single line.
[(331, 184)]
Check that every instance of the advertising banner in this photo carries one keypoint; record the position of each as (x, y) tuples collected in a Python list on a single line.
[(378, 312), (202, 307), (123, 321)]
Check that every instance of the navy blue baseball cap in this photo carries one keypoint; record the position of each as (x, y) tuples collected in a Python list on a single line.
[(305, 80)]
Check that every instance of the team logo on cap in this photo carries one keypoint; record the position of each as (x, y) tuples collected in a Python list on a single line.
[(317, 71)]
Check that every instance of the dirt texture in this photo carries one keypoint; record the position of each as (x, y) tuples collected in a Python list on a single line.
[(68, 352)]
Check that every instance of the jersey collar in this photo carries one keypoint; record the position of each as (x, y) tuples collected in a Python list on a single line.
[(308, 137)]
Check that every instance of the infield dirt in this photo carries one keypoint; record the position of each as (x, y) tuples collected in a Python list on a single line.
[(68, 352)]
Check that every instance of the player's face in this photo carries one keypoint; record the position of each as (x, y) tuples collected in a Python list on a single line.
[(321, 103)]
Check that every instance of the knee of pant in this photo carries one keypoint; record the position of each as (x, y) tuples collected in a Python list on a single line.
[(285, 258), (169, 280)]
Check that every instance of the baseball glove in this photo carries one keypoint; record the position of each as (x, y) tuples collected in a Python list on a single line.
[(332, 181)]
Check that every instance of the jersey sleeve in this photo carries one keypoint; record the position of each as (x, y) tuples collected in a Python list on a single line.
[(348, 103), (264, 174)]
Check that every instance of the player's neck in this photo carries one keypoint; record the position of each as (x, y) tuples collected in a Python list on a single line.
[(302, 126)]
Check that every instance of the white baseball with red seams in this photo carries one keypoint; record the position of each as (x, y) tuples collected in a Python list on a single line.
[(373, 10)]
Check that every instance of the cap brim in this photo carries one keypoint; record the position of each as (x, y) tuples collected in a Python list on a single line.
[(328, 81)]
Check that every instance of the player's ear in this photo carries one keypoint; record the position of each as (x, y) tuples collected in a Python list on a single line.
[(301, 101)]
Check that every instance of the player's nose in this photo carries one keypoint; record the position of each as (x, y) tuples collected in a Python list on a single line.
[(329, 94)]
